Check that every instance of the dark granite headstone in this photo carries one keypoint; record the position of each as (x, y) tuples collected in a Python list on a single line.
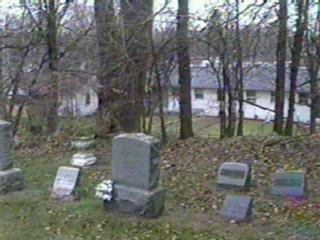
[(237, 208), (11, 179), (136, 173), (136, 161), (234, 175), (289, 184)]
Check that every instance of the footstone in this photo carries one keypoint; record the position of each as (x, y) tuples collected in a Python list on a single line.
[(135, 201), (11, 180), (289, 184), (234, 175), (136, 161), (237, 208), (83, 159), (65, 183)]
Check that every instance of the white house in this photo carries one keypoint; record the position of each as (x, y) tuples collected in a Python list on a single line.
[(83, 102), (259, 86)]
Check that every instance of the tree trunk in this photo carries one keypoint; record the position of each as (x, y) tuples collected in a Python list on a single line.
[(281, 67), (53, 87), (137, 21), (313, 59), (239, 73), (104, 17), (295, 63), (182, 42)]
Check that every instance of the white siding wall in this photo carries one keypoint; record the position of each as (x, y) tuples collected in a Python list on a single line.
[(78, 106), (210, 106)]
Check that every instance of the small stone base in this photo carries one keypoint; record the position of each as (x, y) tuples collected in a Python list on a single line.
[(11, 180), (149, 204), (63, 198), (83, 160)]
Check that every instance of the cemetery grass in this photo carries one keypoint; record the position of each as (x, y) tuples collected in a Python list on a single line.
[(192, 205)]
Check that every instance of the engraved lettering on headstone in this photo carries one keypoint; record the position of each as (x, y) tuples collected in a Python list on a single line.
[(289, 183)]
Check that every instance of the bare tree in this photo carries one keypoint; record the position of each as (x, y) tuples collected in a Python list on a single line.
[(302, 11), (281, 67), (182, 42)]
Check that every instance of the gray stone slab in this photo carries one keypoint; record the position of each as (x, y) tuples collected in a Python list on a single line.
[(5, 146), (135, 161), (11, 180), (237, 208), (65, 182), (289, 184), (234, 175), (149, 204)]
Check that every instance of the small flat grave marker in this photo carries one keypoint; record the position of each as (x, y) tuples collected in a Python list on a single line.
[(234, 175), (289, 184), (65, 183), (237, 208)]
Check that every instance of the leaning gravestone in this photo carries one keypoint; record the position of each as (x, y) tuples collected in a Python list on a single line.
[(65, 184), (136, 173), (238, 208), (234, 175), (289, 184), (11, 179)]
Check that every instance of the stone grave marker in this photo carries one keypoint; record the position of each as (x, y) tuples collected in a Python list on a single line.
[(136, 173), (234, 175), (11, 179), (237, 208), (289, 184), (65, 184)]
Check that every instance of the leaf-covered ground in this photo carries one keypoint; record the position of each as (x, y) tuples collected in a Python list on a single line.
[(189, 170)]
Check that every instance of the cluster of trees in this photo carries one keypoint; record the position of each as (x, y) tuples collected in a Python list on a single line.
[(133, 56)]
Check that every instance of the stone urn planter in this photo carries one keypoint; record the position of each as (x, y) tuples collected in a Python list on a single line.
[(83, 143), (83, 158)]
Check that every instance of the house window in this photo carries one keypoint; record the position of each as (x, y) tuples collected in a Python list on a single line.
[(273, 97), (303, 98), (252, 96), (198, 94), (88, 99)]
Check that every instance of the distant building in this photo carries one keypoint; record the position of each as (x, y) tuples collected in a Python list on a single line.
[(259, 87)]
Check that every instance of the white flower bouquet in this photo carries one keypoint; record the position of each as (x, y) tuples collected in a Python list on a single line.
[(104, 190)]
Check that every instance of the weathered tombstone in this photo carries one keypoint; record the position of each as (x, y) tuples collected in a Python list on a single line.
[(238, 208), (234, 175), (136, 172), (11, 179), (84, 158), (289, 184), (65, 184)]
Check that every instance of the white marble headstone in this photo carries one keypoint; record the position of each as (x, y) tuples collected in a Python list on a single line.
[(65, 181)]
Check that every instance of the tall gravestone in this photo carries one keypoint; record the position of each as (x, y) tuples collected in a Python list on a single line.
[(136, 173), (11, 179)]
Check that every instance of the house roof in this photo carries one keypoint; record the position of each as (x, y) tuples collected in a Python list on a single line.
[(258, 78)]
